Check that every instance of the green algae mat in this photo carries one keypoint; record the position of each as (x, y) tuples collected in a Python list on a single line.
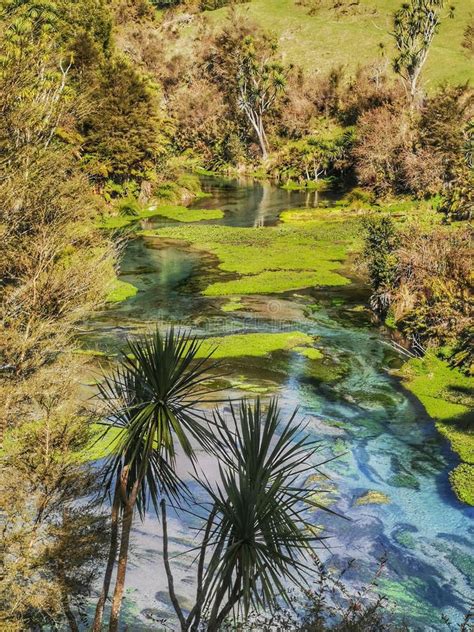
[(271, 260)]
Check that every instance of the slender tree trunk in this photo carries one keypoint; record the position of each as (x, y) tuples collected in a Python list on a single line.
[(99, 611), (226, 610), (69, 615), (257, 123), (71, 619), (122, 567), (169, 574)]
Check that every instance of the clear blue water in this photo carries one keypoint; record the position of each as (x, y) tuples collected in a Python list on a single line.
[(384, 439)]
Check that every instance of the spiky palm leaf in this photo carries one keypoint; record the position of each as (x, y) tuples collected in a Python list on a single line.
[(260, 536), (151, 400)]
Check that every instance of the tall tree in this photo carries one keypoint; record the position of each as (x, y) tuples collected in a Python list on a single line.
[(414, 26), (123, 137), (260, 80), (151, 406), (55, 265), (244, 63)]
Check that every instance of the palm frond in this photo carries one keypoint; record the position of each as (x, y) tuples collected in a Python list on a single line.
[(151, 402), (261, 538)]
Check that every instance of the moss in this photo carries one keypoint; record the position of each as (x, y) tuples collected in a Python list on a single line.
[(307, 185), (339, 447), (239, 345), (176, 213), (406, 596), (462, 481), (116, 222), (431, 380), (101, 444), (185, 214), (232, 306), (326, 370), (372, 497), (325, 493), (444, 392), (201, 171), (120, 291), (273, 260), (309, 352), (257, 389), (274, 282)]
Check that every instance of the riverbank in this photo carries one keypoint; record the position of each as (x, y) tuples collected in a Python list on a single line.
[(447, 396)]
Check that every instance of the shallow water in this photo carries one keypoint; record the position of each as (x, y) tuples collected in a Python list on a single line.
[(384, 439)]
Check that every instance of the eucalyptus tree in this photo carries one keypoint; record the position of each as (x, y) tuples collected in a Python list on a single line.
[(152, 404), (257, 540)]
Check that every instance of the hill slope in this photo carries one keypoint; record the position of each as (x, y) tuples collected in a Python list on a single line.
[(329, 38)]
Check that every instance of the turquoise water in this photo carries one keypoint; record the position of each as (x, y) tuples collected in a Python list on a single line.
[(384, 440)]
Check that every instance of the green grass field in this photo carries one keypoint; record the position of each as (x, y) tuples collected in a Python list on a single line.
[(322, 41)]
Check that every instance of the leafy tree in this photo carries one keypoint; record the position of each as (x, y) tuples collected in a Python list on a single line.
[(150, 402), (52, 534), (385, 135), (256, 536), (458, 199), (55, 266), (381, 242), (261, 81), (423, 278), (122, 136), (313, 156), (244, 63), (414, 27)]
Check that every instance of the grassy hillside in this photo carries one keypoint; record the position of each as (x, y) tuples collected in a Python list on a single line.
[(327, 39)]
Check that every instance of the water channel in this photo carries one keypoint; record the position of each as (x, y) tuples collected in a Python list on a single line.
[(383, 437)]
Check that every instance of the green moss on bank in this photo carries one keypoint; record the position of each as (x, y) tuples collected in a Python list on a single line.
[(307, 185), (175, 213), (232, 306), (462, 481), (309, 352), (446, 394), (185, 214)]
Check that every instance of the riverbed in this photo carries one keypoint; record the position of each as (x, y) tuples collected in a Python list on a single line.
[(390, 477)]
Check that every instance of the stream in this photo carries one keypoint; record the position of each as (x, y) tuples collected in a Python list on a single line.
[(383, 438)]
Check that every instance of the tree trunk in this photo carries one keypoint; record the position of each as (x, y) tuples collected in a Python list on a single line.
[(262, 138), (99, 611), (217, 619), (122, 567), (257, 123), (174, 600), (69, 615), (71, 619)]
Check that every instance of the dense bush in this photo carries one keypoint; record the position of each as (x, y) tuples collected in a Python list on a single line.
[(423, 278)]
